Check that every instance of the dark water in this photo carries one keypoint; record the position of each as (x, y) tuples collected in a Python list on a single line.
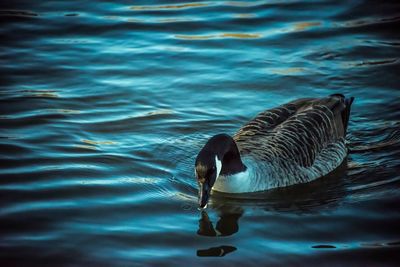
[(104, 106)]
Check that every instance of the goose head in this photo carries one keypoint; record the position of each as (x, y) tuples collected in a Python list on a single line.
[(219, 156)]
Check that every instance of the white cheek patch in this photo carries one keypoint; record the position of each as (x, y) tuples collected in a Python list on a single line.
[(218, 164), (200, 192)]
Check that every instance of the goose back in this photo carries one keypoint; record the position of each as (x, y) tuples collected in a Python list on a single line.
[(297, 132)]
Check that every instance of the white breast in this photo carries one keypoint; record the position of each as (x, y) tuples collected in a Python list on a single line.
[(247, 181)]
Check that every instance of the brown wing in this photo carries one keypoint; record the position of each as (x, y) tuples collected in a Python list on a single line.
[(296, 131)]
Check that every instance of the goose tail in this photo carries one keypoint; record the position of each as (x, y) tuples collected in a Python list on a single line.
[(346, 111)]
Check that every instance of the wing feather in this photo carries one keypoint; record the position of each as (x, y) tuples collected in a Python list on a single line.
[(297, 131)]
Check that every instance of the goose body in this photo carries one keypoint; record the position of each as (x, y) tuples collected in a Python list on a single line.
[(296, 142)]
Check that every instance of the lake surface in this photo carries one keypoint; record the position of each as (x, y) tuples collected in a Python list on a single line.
[(104, 107)]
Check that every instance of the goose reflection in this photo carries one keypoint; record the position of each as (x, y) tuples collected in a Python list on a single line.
[(215, 251), (228, 223), (319, 195)]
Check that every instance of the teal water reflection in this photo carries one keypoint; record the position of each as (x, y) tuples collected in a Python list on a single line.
[(104, 106)]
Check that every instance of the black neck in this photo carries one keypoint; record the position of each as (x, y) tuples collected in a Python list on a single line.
[(227, 151)]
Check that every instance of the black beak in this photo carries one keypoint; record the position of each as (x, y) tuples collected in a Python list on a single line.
[(204, 195)]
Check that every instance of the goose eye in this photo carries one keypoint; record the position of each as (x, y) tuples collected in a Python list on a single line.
[(211, 171)]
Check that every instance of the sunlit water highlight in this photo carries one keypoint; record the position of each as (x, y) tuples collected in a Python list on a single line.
[(105, 105)]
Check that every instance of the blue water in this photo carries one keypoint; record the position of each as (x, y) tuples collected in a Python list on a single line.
[(105, 105)]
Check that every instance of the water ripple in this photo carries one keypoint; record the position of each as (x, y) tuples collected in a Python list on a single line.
[(104, 107)]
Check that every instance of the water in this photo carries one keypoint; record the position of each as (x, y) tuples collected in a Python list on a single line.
[(105, 105)]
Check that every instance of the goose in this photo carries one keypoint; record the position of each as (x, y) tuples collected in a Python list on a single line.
[(296, 142)]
